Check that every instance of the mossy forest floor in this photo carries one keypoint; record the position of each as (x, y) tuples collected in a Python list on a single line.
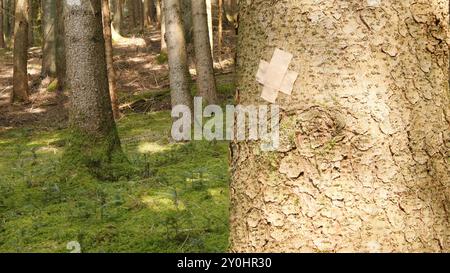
[(177, 201)]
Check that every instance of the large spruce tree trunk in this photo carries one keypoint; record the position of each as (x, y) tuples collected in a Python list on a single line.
[(94, 143), (20, 77), (205, 71), (364, 149), (176, 46), (49, 43), (110, 57), (2, 37)]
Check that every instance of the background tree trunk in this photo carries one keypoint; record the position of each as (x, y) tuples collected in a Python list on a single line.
[(210, 25), (152, 11), (363, 157), (60, 60), (220, 28), (132, 12), (20, 77), (12, 9), (140, 12), (109, 57), (205, 71), (159, 13), (178, 65), (7, 21), (147, 14), (231, 9), (186, 16), (31, 23), (118, 15), (49, 44), (94, 144), (2, 37), (163, 28)]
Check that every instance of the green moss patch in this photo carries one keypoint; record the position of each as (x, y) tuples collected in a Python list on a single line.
[(175, 201)]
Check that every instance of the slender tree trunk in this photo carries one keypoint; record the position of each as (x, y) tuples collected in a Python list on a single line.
[(163, 28), (205, 71), (362, 164), (141, 15), (20, 77), (49, 43), (8, 21), (147, 14), (118, 15), (30, 23), (94, 143), (186, 16), (2, 37), (12, 9), (220, 29), (60, 60), (231, 10), (210, 25), (109, 57), (178, 65), (132, 9), (159, 13), (152, 11)]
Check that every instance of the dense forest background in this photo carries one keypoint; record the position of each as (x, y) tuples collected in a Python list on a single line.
[(173, 199)]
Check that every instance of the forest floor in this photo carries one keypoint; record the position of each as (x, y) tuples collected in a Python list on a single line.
[(178, 200)]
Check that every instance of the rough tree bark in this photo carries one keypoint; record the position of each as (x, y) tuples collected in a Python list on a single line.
[(205, 71), (94, 142), (49, 43), (109, 57), (364, 148), (176, 46), (60, 61), (20, 77)]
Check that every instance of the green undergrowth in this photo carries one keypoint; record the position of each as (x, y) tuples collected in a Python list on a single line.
[(162, 58), (176, 201)]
